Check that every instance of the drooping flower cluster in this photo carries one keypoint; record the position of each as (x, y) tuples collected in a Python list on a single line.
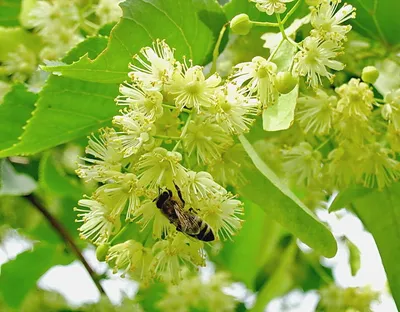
[(194, 293), (318, 51), (173, 119)]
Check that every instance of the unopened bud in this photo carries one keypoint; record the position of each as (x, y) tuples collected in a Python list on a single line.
[(240, 24), (285, 82), (101, 252), (369, 74), (386, 111)]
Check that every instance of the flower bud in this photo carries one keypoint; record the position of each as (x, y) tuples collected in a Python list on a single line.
[(369, 74), (386, 111), (285, 82), (101, 252), (240, 24)]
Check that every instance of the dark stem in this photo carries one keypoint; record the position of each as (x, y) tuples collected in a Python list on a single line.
[(66, 237)]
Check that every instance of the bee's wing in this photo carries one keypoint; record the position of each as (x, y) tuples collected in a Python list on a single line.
[(189, 222)]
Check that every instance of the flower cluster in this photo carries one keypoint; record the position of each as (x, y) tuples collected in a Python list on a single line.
[(193, 293), (173, 119), (318, 51), (335, 299)]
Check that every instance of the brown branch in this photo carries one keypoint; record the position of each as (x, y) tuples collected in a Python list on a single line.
[(66, 237)]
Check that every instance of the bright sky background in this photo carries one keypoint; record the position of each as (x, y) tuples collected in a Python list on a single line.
[(74, 283)]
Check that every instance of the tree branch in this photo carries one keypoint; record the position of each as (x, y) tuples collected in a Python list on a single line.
[(66, 237)]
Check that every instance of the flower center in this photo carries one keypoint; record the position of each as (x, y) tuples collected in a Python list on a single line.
[(262, 72), (193, 87)]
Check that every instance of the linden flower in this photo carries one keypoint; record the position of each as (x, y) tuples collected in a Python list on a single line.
[(129, 257), (222, 215), (200, 185), (342, 165), (206, 140), (379, 166), (108, 11), (391, 110), (147, 103), (191, 89), (20, 64), (314, 58), (194, 293), (315, 113), (148, 212), (259, 75), (160, 168), (271, 6), (228, 169), (48, 17), (232, 109), (106, 161), (356, 98), (153, 67), (98, 221), (303, 163), (136, 132), (122, 192), (327, 23), (171, 253)]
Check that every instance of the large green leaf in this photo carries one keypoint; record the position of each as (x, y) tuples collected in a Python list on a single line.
[(279, 282), (15, 110), (53, 179), (67, 109), (266, 190), (13, 183), (345, 197), (378, 19), (9, 12), (188, 26), (20, 275), (380, 213)]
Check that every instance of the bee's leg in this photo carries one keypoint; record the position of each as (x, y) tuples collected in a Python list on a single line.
[(179, 193), (192, 210), (179, 228)]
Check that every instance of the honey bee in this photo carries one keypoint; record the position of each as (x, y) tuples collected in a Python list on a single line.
[(185, 221)]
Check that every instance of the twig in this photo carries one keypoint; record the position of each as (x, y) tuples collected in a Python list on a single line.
[(66, 237)]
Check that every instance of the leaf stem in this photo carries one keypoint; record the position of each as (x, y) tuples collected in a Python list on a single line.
[(176, 108), (122, 231), (66, 237), (216, 49), (292, 10), (183, 133), (278, 18), (266, 24)]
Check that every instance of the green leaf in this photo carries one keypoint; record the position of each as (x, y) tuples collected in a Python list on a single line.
[(13, 183), (15, 110), (378, 19), (53, 179), (67, 109), (348, 195), (266, 190), (9, 12), (11, 38), (279, 282), (380, 213), (179, 22), (20, 275), (281, 115)]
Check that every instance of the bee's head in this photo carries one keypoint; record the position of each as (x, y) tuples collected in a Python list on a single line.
[(163, 197)]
